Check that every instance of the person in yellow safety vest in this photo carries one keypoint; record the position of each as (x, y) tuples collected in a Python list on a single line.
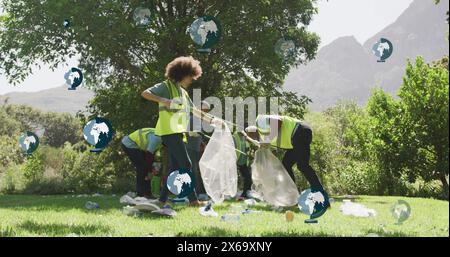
[(141, 146), (175, 107), (295, 137), (243, 162)]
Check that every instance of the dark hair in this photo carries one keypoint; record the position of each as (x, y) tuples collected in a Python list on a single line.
[(183, 66)]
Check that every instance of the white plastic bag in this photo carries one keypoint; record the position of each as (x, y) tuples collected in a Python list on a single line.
[(218, 166), (271, 182), (355, 209)]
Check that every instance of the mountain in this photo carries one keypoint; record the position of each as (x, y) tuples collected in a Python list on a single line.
[(345, 69), (57, 99)]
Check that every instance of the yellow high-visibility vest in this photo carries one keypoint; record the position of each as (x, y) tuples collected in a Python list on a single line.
[(288, 125), (172, 121), (243, 147), (140, 137)]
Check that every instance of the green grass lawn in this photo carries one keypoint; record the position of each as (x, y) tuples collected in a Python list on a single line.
[(30, 215)]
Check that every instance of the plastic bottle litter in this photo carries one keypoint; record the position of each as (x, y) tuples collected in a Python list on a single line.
[(131, 211), (231, 217), (249, 211), (97, 195), (289, 216), (91, 205), (356, 209)]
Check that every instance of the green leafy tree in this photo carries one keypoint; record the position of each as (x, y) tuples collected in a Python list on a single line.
[(120, 60), (424, 93), (411, 134)]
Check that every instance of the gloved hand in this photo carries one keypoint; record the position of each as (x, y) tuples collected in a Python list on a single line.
[(193, 134), (216, 122), (176, 104)]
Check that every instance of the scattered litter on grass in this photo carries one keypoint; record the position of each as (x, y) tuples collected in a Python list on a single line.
[(250, 202), (146, 207), (208, 210), (249, 211), (165, 212), (356, 209), (289, 216), (91, 205), (231, 217), (131, 211), (97, 195), (128, 200)]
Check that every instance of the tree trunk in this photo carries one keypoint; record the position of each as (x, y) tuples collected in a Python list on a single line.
[(444, 183)]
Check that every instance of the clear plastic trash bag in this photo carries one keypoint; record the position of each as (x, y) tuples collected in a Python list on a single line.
[(218, 166), (271, 182)]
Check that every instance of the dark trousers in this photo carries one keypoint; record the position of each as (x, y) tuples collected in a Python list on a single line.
[(300, 154), (247, 177), (142, 162), (195, 159), (178, 159)]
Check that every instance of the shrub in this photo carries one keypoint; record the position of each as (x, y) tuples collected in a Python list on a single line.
[(33, 168), (11, 181)]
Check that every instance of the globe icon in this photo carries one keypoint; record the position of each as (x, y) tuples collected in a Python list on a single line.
[(312, 203), (181, 183), (98, 132), (73, 78), (205, 32), (382, 49), (401, 211), (285, 48), (29, 142), (66, 23), (142, 17)]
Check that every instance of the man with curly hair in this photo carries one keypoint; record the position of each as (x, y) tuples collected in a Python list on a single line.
[(175, 107)]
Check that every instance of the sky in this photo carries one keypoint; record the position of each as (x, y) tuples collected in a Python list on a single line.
[(336, 18)]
